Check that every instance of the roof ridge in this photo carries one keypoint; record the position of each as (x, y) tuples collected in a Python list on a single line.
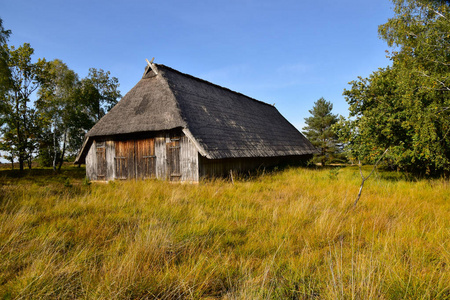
[(213, 84)]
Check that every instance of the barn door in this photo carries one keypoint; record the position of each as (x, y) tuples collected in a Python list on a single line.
[(145, 159), (173, 159), (124, 160), (101, 160)]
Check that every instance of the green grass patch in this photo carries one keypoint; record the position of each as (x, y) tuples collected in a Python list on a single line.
[(290, 234)]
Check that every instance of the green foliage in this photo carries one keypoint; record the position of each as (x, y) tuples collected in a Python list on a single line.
[(67, 183), (65, 109), (320, 133), (57, 105), (334, 173), (4, 70), (20, 122), (71, 107), (102, 91), (4, 33), (406, 107), (86, 181)]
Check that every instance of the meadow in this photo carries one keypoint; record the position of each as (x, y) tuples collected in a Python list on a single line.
[(290, 234)]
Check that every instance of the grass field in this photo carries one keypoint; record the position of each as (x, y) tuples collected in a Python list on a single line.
[(287, 235)]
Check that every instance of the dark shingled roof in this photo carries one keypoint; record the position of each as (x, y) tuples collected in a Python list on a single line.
[(224, 123)]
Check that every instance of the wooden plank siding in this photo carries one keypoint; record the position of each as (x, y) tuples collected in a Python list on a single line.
[(91, 162), (221, 167), (173, 158), (145, 158), (100, 153), (161, 157), (110, 153), (164, 155), (189, 163), (124, 159)]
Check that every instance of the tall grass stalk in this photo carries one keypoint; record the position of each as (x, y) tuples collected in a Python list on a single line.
[(285, 235)]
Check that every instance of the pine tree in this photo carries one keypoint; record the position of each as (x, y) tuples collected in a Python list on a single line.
[(320, 133)]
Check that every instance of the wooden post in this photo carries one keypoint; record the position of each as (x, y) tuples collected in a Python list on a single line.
[(231, 175)]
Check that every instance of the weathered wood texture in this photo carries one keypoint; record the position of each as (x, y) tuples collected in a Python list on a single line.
[(100, 153), (188, 160), (91, 162), (165, 155), (110, 153), (169, 156), (221, 167), (145, 158), (173, 158), (161, 157), (124, 160)]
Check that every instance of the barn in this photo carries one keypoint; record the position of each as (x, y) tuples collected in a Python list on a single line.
[(177, 127)]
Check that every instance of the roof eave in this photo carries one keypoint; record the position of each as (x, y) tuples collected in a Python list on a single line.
[(81, 157), (199, 147)]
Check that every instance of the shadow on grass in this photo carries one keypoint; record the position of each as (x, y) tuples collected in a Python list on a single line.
[(41, 176), (383, 173)]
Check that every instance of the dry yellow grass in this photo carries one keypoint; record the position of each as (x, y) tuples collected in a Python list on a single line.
[(286, 235)]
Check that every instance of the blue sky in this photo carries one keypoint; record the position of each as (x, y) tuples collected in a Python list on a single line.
[(286, 52)]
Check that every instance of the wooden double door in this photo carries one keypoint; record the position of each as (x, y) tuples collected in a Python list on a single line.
[(135, 159)]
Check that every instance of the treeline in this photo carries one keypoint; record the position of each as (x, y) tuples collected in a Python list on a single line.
[(400, 111), (46, 109)]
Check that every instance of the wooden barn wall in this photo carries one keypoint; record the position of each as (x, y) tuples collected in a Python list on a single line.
[(188, 160), (91, 163), (221, 167), (188, 157), (160, 152), (92, 160), (110, 153)]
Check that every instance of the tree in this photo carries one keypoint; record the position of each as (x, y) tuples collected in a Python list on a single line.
[(420, 33), (319, 131), (4, 33), (65, 109), (406, 107), (4, 85), (70, 107), (81, 118), (19, 121), (4, 70), (56, 107), (107, 92)]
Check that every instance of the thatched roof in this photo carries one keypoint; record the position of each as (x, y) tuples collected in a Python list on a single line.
[(223, 123)]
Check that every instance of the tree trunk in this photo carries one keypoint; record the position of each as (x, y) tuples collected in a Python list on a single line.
[(360, 191), (20, 163), (363, 179), (55, 151), (19, 134), (63, 151)]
